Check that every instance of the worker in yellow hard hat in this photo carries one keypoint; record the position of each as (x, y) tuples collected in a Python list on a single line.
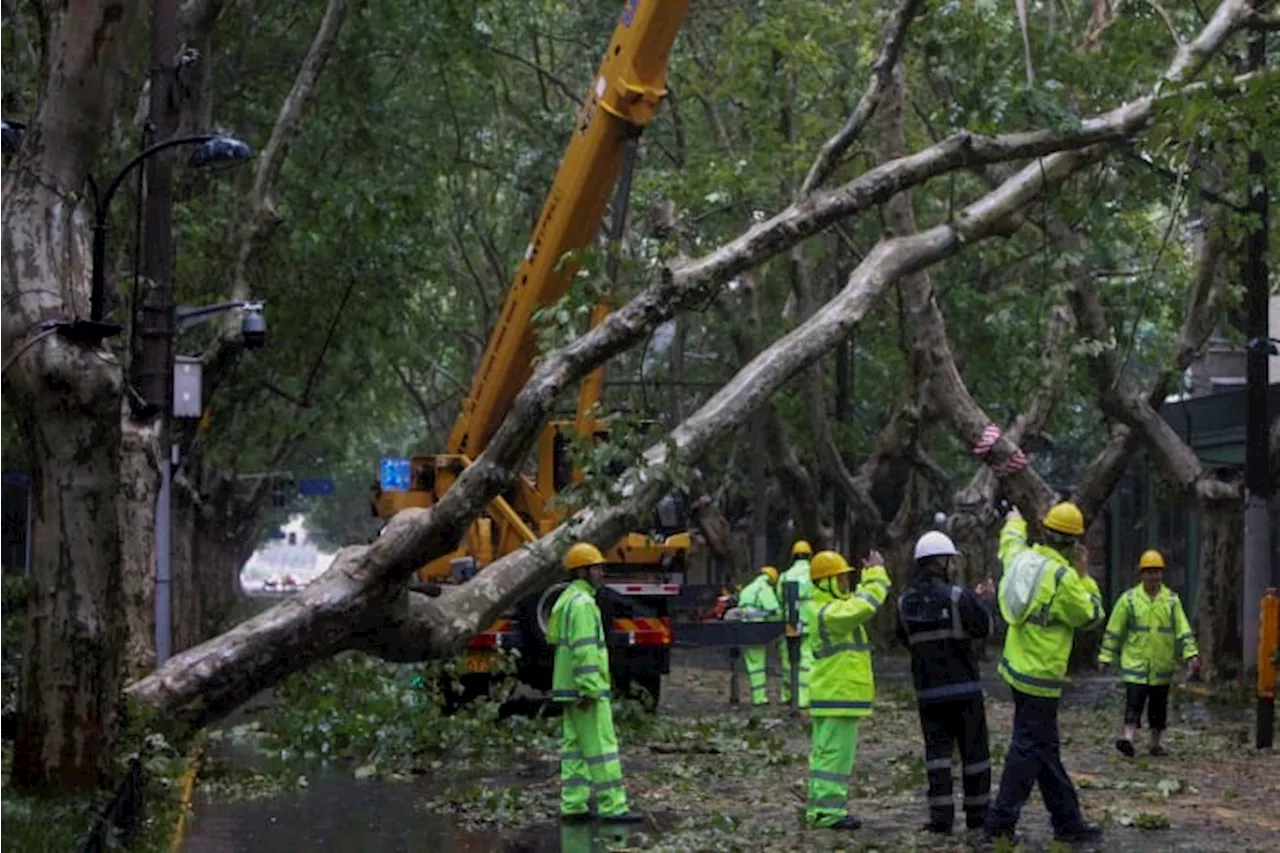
[(580, 682), (798, 573), (758, 602), (1044, 599), (843, 689), (1151, 634)]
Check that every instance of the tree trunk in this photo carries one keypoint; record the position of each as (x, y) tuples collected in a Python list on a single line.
[(139, 485), (71, 664), (187, 609), (1218, 598)]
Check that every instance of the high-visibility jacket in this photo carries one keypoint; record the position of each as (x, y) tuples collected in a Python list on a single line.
[(841, 683), (1056, 600), (799, 574), (1151, 635), (582, 658), (758, 601)]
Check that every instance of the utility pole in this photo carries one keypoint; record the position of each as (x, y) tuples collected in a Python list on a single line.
[(1258, 487), (844, 375), (157, 331)]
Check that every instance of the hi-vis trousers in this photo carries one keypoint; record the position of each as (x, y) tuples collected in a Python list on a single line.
[(589, 761)]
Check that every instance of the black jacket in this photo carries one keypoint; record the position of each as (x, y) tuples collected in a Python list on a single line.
[(937, 621)]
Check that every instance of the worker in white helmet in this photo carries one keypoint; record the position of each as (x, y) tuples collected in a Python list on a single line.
[(940, 622)]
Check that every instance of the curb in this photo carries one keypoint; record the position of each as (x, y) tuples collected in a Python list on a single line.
[(186, 787)]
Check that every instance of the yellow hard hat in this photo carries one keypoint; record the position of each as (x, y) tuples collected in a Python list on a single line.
[(1151, 559), (1065, 518), (771, 572), (581, 555), (828, 564), (802, 546)]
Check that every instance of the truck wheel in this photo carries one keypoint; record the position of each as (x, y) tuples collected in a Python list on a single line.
[(536, 610)]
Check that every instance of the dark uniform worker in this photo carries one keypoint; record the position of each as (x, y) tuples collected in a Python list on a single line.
[(937, 621)]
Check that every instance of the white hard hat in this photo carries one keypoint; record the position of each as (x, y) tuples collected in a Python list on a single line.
[(935, 544)]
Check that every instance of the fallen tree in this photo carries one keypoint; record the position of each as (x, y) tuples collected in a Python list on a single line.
[(361, 601)]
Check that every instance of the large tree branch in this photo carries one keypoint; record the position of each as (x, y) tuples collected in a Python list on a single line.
[(349, 603), (895, 35), (259, 219)]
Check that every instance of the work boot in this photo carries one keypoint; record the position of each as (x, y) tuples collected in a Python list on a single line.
[(1125, 746), (625, 817), (1082, 834), (847, 822), (1158, 751)]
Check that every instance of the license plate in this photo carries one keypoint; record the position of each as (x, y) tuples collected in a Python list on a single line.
[(474, 662)]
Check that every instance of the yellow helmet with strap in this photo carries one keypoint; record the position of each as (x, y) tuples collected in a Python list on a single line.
[(802, 548), (828, 564), (771, 572), (581, 555)]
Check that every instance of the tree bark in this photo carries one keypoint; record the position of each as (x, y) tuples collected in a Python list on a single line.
[(68, 397), (139, 486), (1218, 597)]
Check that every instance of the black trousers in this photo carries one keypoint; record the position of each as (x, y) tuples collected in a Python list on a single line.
[(957, 724), (1136, 695), (1034, 758)]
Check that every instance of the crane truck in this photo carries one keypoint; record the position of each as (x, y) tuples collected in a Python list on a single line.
[(645, 570)]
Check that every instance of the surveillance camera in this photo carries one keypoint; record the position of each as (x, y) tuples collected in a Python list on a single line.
[(253, 327)]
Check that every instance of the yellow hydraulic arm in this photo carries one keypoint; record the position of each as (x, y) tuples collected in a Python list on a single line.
[(624, 97)]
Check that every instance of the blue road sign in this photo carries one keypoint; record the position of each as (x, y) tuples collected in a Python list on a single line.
[(395, 474), (311, 487)]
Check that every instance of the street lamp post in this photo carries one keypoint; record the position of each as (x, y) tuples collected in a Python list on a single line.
[(253, 328)]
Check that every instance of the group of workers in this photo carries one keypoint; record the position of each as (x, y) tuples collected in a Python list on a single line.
[(1045, 594)]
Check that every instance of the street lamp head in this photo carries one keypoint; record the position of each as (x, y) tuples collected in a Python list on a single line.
[(253, 326), (219, 150), (10, 135)]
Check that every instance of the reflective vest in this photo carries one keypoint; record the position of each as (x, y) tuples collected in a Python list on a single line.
[(1151, 635), (582, 659), (841, 683), (799, 574), (1044, 600), (758, 602)]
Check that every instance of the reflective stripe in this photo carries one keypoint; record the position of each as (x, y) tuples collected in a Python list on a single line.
[(828, 776), (564, 694), (938, 764), (1034, 681), (575, 782), (1141, 629), (601, 759), (979, 767), (1168, 674), (978, 800), (942, 800), (828, 651), (571, 756), (828, 802), (868, 598), (606, 786), (1110, 636), (586, 670), (585, 641), (1139, 673), (930, 636), (1164, 630), (839, 703), (754, 613), (946, 690)]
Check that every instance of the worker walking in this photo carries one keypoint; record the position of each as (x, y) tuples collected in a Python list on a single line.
[(1150, 633), (580, 682), (938, 622), (758, 602), (798, 573), (1044, 599), (843, 688)]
